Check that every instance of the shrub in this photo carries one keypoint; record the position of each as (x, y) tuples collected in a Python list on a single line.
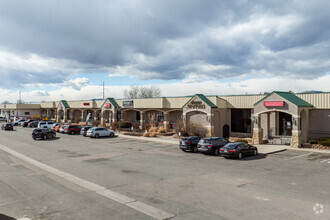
[(161, 130), (325, 142), (313, 141), (324, 139), (153, 134), (242, 140), (179, 127), (196, 130), (152, 129), (146, 134), (114, 125), (146, 126), (135, 125), (96, 123), (125, 124)]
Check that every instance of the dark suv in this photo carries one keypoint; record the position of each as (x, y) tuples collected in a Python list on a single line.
[(72, 129), (189, 143), (7, 126), (43, 133), (211, 145), (26, 123)]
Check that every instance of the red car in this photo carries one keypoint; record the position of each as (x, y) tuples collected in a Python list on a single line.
[(72, 129)]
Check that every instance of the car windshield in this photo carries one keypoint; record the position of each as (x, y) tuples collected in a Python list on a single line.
[(231, 145), (206, 140)]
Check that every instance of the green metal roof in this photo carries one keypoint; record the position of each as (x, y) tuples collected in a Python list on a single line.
[(204, 99), (113, 102), (291, 97), (65, 103)]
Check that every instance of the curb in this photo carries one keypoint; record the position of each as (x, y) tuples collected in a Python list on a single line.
[(277, 151)]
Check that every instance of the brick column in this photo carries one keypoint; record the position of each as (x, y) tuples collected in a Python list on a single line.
[(141, 119), (257, 131), (166, 120)]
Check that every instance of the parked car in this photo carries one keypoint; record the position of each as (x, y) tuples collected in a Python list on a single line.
[(57, 127), (45, 124), (43, 133), (3, 118), (26, 123), (84, 130), (62, 128), (100, 132), (189, 143), (56, 124), (15, 123), (238, 150), (211, 145), (72, 129), (7, 126), (33, 124)]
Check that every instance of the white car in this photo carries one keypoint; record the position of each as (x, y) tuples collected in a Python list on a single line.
[(3, 118), (100, 132), (62, 128), (45, 124)]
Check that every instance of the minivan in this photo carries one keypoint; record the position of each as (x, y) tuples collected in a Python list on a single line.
[(46, 124)]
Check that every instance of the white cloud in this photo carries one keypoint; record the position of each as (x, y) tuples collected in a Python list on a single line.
[(183, 88)]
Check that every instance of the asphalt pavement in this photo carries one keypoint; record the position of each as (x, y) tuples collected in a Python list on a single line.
[(75, 177)]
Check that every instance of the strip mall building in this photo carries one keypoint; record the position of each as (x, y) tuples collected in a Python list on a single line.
[(279, 117)]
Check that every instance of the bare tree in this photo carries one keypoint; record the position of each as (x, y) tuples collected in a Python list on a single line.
[(5, 102), (142, 92)]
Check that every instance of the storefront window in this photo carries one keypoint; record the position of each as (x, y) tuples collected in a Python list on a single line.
[(241, 120)]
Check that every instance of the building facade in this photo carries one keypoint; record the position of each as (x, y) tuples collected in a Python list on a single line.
[(277, 117)]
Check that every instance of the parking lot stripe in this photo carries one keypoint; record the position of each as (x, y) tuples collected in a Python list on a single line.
[(325, 161), (120, 198), (300, 156)]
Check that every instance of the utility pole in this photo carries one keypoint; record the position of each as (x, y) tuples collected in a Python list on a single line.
[(103, 90)]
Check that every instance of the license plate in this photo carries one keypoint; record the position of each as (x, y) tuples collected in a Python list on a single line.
[(226, 150)]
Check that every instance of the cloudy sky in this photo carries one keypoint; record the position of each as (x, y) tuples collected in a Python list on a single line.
[(52, 50)]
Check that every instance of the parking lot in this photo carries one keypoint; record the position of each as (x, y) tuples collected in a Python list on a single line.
[(76, 177)]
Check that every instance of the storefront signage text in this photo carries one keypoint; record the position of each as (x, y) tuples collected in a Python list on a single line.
[(86, 103), (273, 103), (128, 104), (196, 105), (108, 105)]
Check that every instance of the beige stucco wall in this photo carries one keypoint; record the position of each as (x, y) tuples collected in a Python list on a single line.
[(48, 105), (319, 123), (174, 116)]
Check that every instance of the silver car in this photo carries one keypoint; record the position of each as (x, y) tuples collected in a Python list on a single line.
[(100, 132)]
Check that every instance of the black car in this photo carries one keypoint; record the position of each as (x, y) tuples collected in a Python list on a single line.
[(84, 130), (26, 123), (43, 133), (211, 145), (238, 150), (189, 143), (7, 126), (33, 124)]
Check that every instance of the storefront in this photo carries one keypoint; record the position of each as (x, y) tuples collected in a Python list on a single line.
[(276, 118)]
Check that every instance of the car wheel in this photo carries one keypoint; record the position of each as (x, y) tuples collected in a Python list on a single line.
[(34, 138), (255, 153), (195, 150), (44, 137), (97, 135), (184, 150), (72, 132), (216, 152), (112, 134), (240, 156)]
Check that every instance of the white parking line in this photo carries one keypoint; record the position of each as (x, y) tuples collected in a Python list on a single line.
[(120, 198), (325, 161), (300, 156)]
